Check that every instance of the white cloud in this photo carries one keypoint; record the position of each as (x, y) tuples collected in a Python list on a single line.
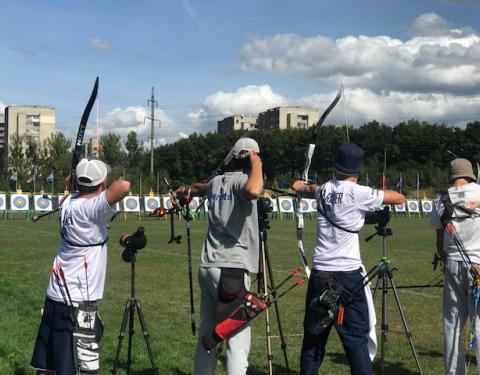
[(99, 44), (437, 58), (133, 118), (2, 107), (248, 100)]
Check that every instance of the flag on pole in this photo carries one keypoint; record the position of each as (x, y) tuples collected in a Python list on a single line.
[(399, 185), (32, 178), (49, 178), (14, 176)]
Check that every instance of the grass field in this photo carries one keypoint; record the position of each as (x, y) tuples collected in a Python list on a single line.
[(162, 287)]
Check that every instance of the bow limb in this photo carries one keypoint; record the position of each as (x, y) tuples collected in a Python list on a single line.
[(77, 150), (313, 136), (308, 160)]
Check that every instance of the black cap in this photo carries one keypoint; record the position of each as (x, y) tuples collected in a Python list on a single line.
[(349, 159)]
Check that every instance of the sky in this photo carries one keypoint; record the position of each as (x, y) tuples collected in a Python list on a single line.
[(209, 59)]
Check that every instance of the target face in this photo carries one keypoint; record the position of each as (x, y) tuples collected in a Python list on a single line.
[(43, 203), (193, 204), (427, 206), (412, 206), (168, 203), (152, 203), (131, 203), (2, 203), (304, 205), (19, 202), (314, 205), (286, 205), (399, 207)]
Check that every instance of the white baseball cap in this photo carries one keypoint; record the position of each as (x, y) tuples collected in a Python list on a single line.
[(91, 172), (243, 147)]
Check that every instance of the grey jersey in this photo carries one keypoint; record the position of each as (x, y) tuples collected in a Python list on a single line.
[(232, 239)]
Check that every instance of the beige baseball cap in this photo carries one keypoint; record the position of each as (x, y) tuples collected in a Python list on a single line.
[(91, 172), (461, 168)]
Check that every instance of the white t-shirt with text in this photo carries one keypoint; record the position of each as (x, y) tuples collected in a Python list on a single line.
[(82, 222), (346, 203)]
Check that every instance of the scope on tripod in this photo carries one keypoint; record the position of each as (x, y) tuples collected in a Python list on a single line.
[(264, 207), (380, 217), (133, 243)]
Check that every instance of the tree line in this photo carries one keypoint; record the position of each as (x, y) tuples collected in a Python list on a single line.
[(417, 151)]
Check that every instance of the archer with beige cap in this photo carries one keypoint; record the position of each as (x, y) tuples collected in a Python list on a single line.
[(230, 251), (458, 210), (81, 263)]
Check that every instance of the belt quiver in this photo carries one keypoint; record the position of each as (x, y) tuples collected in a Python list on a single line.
[(231, 296), (86, 336), (323, 308)]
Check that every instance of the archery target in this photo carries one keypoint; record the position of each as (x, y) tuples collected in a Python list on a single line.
[(286, 205), (305, 205), (314, 205), (167, 203), (400, 207), (43, 204), (272, 203), (194, 203), (3, 202), (427, 206), (131, 204), (311, 202), (413, 207), (19, 202), (151, 203)]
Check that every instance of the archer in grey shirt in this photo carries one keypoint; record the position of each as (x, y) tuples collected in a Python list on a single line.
[(232, 240)]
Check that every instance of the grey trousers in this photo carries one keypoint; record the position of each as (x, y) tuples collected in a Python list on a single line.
[(458, 306), (238, 346)]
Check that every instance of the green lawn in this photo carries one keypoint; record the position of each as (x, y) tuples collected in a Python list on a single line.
[(162, 287)]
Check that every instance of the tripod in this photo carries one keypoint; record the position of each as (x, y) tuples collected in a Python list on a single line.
[(266, 283), (385, 276), (133, 304)]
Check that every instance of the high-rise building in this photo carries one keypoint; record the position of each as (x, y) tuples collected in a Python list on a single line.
[(2, 132), (36, 122), (287, 118), (237, 122)]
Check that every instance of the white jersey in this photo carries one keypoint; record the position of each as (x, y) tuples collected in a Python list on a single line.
[(82, 224), (346, 203), (467, 228)]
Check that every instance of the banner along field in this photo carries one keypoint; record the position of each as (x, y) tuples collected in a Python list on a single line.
[(28, 249)]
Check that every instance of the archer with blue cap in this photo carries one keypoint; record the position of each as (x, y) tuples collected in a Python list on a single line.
[(341, 204)]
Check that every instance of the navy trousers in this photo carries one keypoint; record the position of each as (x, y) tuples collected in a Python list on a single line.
[(353, 332)]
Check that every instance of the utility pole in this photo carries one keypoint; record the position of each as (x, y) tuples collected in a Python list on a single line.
[(153, 103)]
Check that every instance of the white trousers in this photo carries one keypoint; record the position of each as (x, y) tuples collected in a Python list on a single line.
[(458, 306), (238, 346)]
